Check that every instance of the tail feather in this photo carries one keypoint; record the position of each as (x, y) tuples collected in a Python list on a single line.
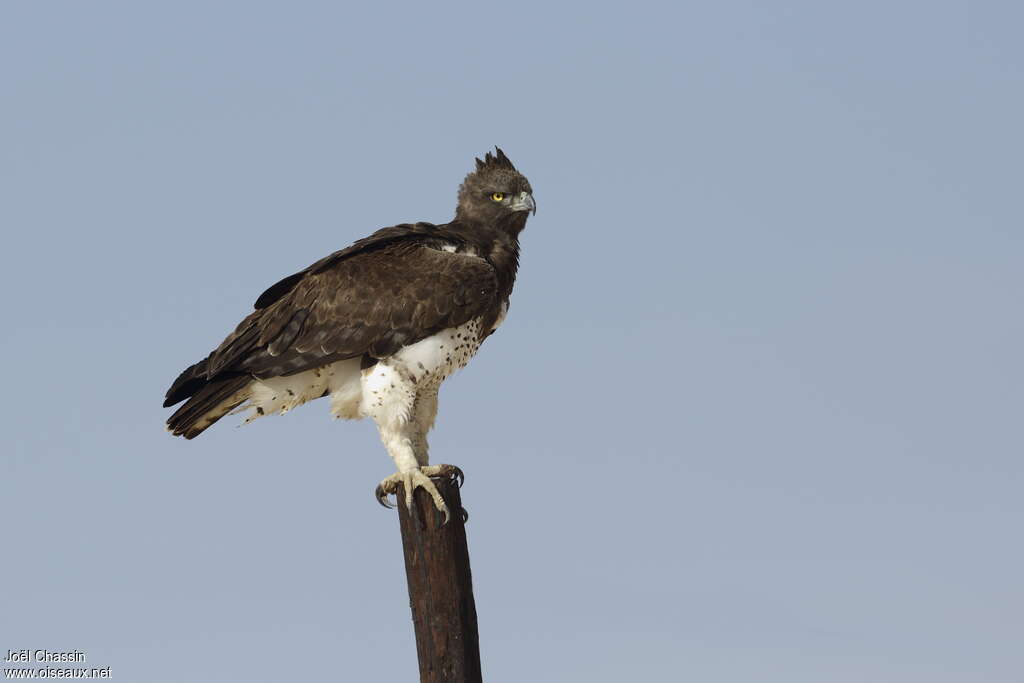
[(209, 401), (190, 381)]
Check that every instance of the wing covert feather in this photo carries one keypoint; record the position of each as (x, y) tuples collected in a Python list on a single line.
[(379, 301), (373, 302)]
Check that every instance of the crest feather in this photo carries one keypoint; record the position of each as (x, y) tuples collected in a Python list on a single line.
[(497, 160)]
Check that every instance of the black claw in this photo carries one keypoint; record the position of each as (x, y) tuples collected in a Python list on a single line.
[(464, 514), (382, 497), (458, 476)]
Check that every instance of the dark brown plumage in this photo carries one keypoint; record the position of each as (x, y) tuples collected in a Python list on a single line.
[(396, 287)]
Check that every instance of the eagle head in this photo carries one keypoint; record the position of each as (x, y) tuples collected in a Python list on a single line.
[(495, 193)]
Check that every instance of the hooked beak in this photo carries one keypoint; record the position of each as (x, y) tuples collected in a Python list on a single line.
[(524, 202)]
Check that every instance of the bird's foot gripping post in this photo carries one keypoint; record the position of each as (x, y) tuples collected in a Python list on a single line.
[(440, 583), (420, 478)]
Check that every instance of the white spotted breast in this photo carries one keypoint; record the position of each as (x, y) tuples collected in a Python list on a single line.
[(430, 360)]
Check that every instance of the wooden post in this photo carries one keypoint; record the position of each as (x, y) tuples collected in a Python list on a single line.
[(440, 587)]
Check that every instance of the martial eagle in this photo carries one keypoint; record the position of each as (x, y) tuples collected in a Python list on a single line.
[(376, 327)]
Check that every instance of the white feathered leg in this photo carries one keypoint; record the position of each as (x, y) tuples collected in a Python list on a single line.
[(424, 411), (390, 398)]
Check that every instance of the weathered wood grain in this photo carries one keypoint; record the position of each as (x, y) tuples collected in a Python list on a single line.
[(440, 587)]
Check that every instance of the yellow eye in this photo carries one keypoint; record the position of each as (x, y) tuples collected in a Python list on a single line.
[(498, 196)]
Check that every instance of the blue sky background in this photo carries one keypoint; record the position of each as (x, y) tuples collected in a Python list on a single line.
[(755, 414)]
